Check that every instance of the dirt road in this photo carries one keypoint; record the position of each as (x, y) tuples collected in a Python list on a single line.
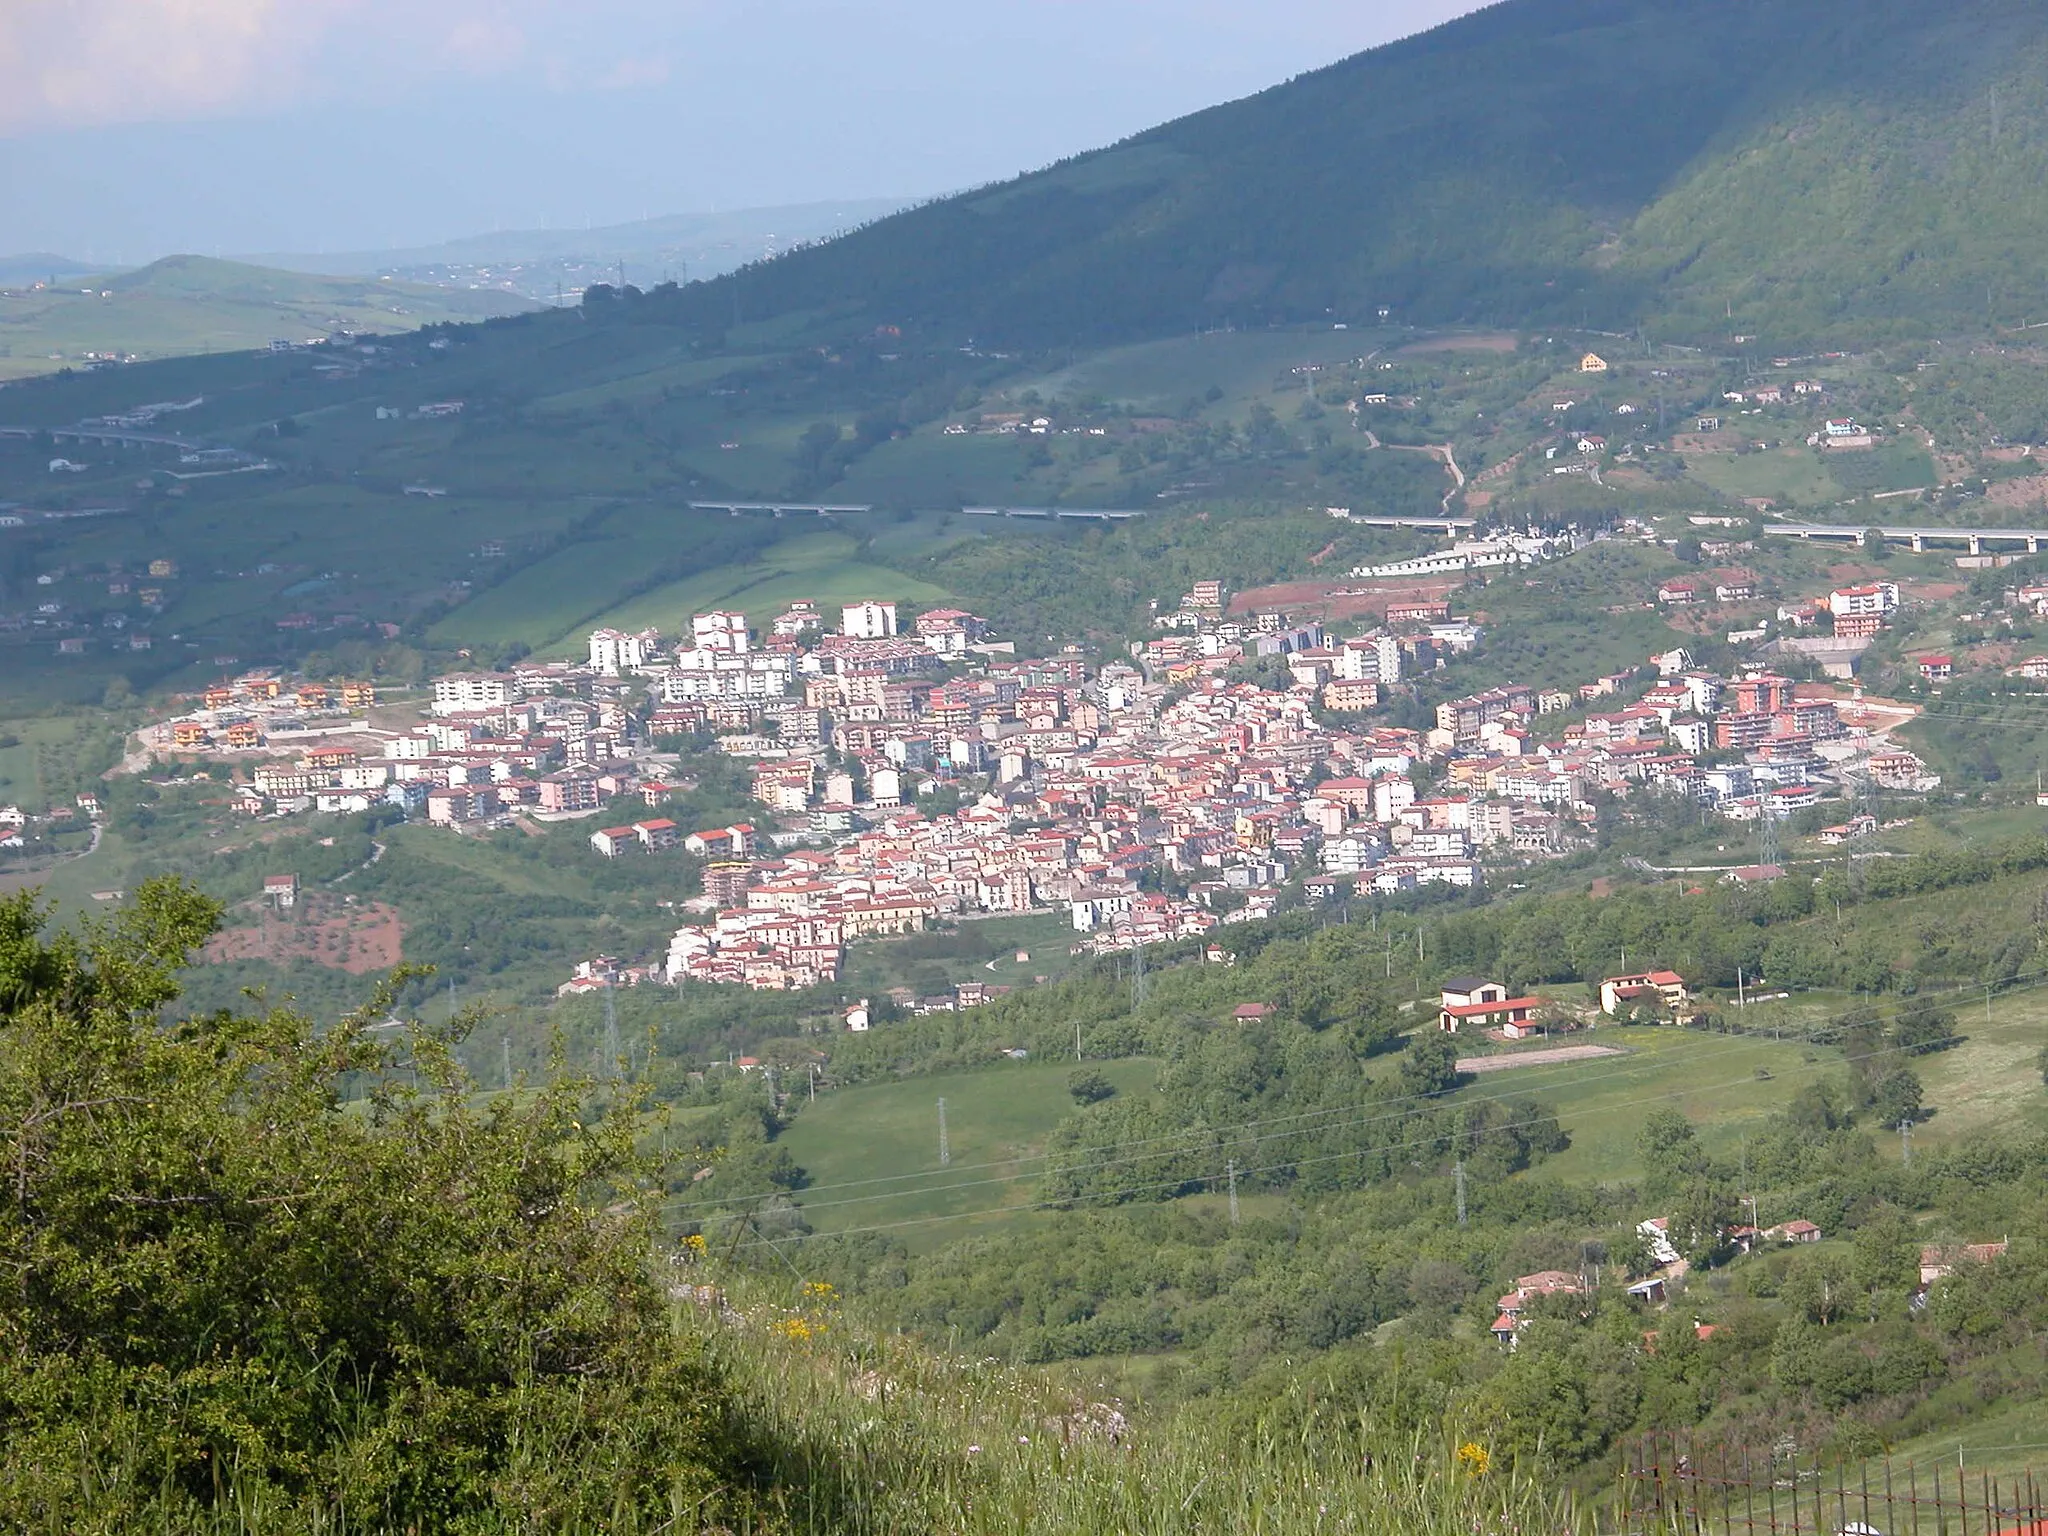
[(1556, 1056)]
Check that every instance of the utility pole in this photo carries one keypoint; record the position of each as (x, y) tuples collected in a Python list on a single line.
[(945, 1147), (1232, 1165), (814, 1082), (1738, 988), (505, 1048), (1458, 1174), (1077, 1042)]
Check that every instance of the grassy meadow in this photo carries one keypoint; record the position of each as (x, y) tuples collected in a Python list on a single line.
[(872, 1152)]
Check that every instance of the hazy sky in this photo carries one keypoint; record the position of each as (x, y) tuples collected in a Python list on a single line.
[(132, 128)]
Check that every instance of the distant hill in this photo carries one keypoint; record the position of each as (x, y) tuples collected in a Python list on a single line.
[(1784, 167), (38, 267), (191, 304), (533, 261)]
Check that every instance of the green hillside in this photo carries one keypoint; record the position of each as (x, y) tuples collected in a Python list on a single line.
[(192, 304), (1784, 165)]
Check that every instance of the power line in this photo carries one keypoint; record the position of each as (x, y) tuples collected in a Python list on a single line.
[(1410, 1144), (1305, 1122), (1157, 1185)]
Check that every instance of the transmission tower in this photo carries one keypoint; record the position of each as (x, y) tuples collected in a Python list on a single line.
[(1458, 1175), (505, 1050), (1232, 1166), (1138, 977), (611, 1033), (1767, 837), (945, 1147)]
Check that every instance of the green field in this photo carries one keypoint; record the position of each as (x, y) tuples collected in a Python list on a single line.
[(1792, 476), (1161, 376), (1713, 1079), (872, 1152), (817, 565), (192, 304), (1993, 1078)]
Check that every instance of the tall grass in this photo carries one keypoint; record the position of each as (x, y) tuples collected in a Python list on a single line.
[(850, 1432), (870, 1433)]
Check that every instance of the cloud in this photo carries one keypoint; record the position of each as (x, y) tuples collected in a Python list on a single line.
[(68, 62), (86, 63)]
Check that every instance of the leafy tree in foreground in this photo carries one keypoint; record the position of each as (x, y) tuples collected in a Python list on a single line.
[(226, 1285)]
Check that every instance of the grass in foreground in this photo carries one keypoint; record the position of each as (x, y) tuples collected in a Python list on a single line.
[(871, 1434)]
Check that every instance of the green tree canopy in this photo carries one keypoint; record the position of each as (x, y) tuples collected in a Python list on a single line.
[(225, 1281)]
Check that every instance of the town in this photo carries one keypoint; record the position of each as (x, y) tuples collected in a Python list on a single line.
[(910, 771)]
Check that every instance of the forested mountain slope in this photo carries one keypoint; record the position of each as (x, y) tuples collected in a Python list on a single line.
[(1790, 166)]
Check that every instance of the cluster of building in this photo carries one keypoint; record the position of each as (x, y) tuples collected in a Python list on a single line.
[(1150, 799), (18, 827)]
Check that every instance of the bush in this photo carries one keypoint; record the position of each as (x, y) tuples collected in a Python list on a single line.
[(1088, 1086), (231, 1286)]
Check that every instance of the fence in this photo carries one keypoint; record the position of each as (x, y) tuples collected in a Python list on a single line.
[(1673, 1483)]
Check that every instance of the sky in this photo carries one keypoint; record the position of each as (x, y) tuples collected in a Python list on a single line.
[(131, 129)]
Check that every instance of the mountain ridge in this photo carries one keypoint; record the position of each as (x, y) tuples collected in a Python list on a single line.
[(1754, 165)]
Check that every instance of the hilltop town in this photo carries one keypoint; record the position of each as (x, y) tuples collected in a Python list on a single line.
[(909, 770)]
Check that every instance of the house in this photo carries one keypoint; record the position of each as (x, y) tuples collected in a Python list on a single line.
[(1849, 831), (1483, 1004), (1794, 1232), (859, 1018), (1938, 1263), (1937, 669), (1658, 989), (1736, 589), (613, 841), (1592, 443), (1679, 591), (1656, 1235), (657, 834), (1251, 1013), (281, 891), (1592, 362), (1513, 1309)]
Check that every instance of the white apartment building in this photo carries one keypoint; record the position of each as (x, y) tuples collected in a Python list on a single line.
[(721, 631), (1879, 597), (462, 693), (614, 653), (868, 621), (705, 674), (1370, 659)]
